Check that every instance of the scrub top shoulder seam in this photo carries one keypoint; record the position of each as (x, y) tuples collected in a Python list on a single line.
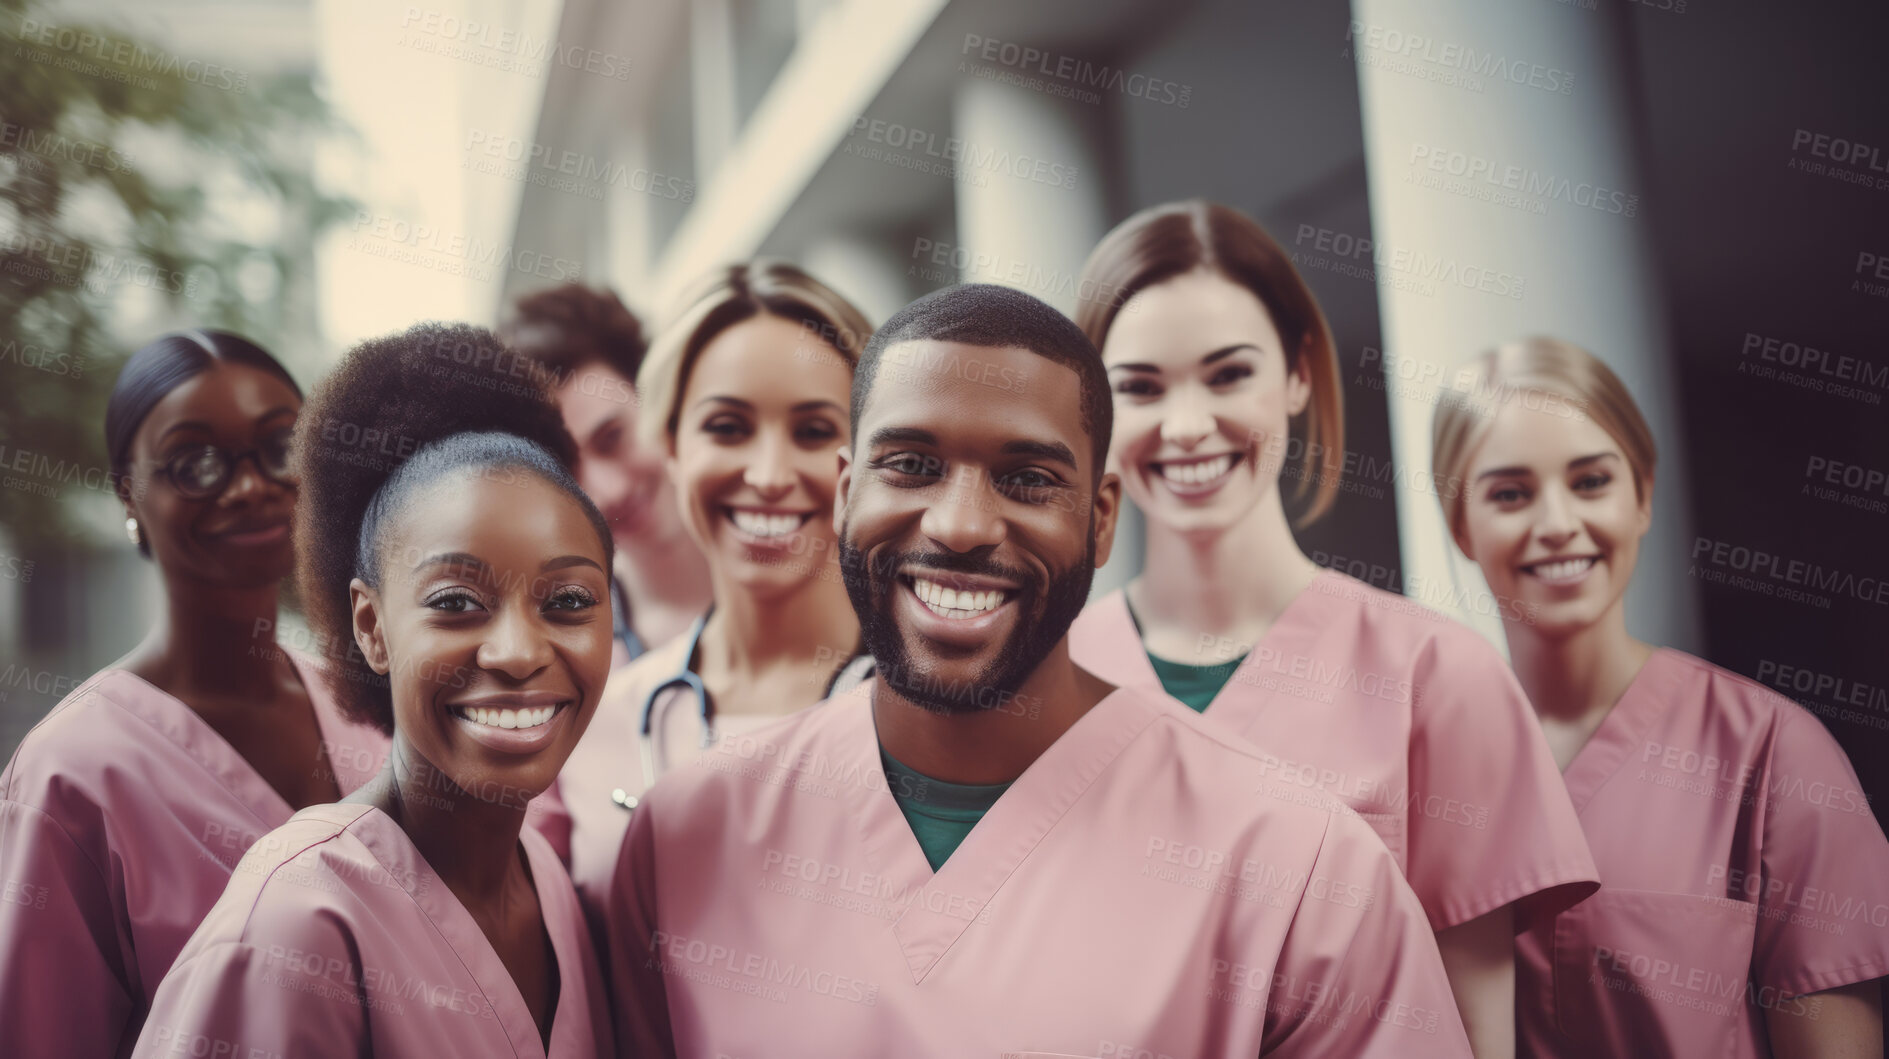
[(74, 700), (262, 885), (198, 759), (103, 878), (99, 699)]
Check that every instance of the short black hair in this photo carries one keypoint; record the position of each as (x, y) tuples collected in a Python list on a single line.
[(985, 314), (397, 413), (162, 365)]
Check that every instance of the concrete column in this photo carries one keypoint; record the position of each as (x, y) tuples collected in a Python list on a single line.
[(1506, 200), (626, 252)]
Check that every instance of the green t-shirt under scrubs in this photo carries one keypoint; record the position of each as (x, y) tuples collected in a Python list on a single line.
[(940, 814)]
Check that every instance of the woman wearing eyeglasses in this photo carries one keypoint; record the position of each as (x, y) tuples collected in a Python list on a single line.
[(420, 916), (123, 812), (747, 393)]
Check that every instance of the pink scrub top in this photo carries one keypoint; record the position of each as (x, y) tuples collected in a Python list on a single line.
[(1412, 721), (1127, 896), (336, 938), (121, 816), (1741, 868), (585, 812)]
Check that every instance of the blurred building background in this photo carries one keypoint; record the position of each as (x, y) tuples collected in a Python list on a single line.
[(1664, 212)]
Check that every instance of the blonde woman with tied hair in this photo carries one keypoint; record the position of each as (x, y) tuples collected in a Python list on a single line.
[(747, 393), (1226, 389), (1735, 847)]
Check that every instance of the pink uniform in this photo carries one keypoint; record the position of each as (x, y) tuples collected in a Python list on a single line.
[(121, 816), (1410, 719), (1127, 896), (1741, 869), (335, 938), (583, 815)]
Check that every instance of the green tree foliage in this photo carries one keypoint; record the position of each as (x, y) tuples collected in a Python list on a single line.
[(118, 158)]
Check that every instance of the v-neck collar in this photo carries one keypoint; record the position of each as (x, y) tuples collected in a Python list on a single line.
[(186, 729), (1623, 731), (389, 844), (941, 905), (1290, 634)]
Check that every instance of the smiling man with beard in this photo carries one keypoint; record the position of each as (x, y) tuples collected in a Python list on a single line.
[(987, 850)]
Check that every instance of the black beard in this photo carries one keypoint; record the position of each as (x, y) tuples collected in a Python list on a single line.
[(1044, 616)]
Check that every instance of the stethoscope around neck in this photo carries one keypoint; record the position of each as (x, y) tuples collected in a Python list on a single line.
[(646, 736), (859, 668)]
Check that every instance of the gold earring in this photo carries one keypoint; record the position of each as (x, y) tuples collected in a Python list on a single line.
[(131, 531)]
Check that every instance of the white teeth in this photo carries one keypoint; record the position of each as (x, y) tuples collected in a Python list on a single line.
[(756, 524), (1564, 570), (956, 603), (531, 718), (1195, 472)]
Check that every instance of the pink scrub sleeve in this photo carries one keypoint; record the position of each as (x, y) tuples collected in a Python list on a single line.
[(63, 987), (1489, 817), (233, 998), (1823, 904), (1374, 970), (1410, 719), (639, 1003), (121, 815)]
